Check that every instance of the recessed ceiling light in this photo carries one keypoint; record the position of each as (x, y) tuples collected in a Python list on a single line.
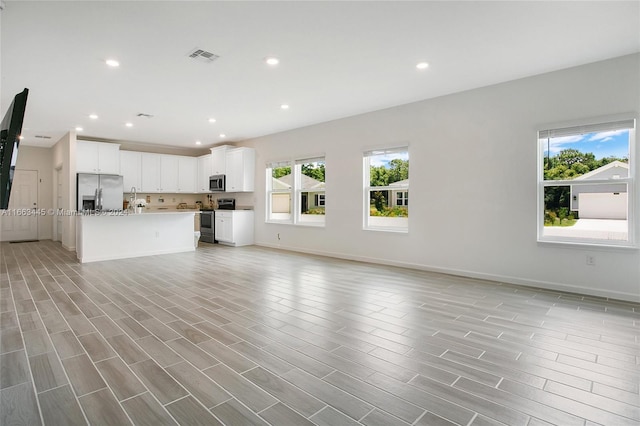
[(20, 137), (128, 124), (198, 143), (222, 135), (212, 120), (112, 63), (270, 60), (93, 116), (79, 129), (422, 65), (284, 106)]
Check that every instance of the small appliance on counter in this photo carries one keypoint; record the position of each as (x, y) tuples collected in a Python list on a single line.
[(226, 203)]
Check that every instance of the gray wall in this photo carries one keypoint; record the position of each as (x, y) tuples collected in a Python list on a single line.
[(40, 159), (481, 220)]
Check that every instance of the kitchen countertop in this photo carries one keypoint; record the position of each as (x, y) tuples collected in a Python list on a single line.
[(144, 212)]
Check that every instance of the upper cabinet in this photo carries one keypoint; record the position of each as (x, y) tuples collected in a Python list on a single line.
[(240, 174), (150, 172), (219, 160), (167, 173), (187, 172), (204, 171), (97, 157), (131, 170)]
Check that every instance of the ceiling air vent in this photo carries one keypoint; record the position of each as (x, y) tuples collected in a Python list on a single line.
[(42, 137), (203, 55), (142, 114)]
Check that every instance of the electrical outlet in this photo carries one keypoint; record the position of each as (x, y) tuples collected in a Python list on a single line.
[(591, 260)]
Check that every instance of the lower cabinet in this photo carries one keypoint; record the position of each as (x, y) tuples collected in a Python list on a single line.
[(234, 227)]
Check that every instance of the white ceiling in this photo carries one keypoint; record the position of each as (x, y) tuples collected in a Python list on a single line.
[(337, 58)]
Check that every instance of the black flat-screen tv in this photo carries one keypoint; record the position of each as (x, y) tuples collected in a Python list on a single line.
[(9, 141)]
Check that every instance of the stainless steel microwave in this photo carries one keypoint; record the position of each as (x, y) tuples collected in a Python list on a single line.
[(216, 183)]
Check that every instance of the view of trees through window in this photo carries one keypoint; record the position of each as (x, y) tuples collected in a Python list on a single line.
[(280, 193), (382, 177), (312, 188), (297, 187), (581, 158), (386, 189)]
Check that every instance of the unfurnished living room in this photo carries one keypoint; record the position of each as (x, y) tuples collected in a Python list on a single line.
[(205, 216)]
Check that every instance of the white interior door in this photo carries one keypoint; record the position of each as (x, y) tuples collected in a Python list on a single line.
[(19, 222)]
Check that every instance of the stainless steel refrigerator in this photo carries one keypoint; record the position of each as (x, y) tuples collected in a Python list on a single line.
[(99, 192)]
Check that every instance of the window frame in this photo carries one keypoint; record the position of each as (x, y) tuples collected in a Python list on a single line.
[(299, 190), (585, 127), (367, 188), (295, 191), (270, 191)]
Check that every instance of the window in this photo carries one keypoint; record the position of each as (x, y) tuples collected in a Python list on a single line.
[(386, 190), (296, 187), (402, 198), (279, 184), (310, 181), (585, 184)]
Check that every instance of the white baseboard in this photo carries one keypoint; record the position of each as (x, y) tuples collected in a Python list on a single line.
[(547, 285), (128, 256)]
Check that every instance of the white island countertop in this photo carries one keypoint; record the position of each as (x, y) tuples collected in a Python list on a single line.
[(120, 235)]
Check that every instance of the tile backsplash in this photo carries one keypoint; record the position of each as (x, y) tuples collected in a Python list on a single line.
[(171, 201)]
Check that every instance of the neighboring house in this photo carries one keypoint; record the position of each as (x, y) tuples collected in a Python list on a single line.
[(602, 201), (281, 201), (399, 197), (312, 195)]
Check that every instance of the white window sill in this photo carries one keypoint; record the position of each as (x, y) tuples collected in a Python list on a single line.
[(591, 245)]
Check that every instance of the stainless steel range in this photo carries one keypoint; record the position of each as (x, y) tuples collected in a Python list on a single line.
[(208, 222)]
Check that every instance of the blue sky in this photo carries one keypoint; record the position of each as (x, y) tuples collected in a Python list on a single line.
[(602, 144), (383, 159)]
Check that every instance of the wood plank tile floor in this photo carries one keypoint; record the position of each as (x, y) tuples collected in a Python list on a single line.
[(255, 336)]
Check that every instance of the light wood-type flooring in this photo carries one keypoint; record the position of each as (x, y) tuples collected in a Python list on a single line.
[(252, 336)]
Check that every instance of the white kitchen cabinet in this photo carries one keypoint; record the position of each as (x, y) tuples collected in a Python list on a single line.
[(234, 227), (97, 157), (204, 171), (131, 170), (159, 173), (150, 172), (187, 172), (219, 160), (240, 169), (169, 173)]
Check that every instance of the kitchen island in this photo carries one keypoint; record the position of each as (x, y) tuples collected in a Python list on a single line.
[(107, 236)]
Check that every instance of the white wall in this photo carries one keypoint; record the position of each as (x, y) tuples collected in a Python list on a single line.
[(64, 156), (40, 159), (480, 222)]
